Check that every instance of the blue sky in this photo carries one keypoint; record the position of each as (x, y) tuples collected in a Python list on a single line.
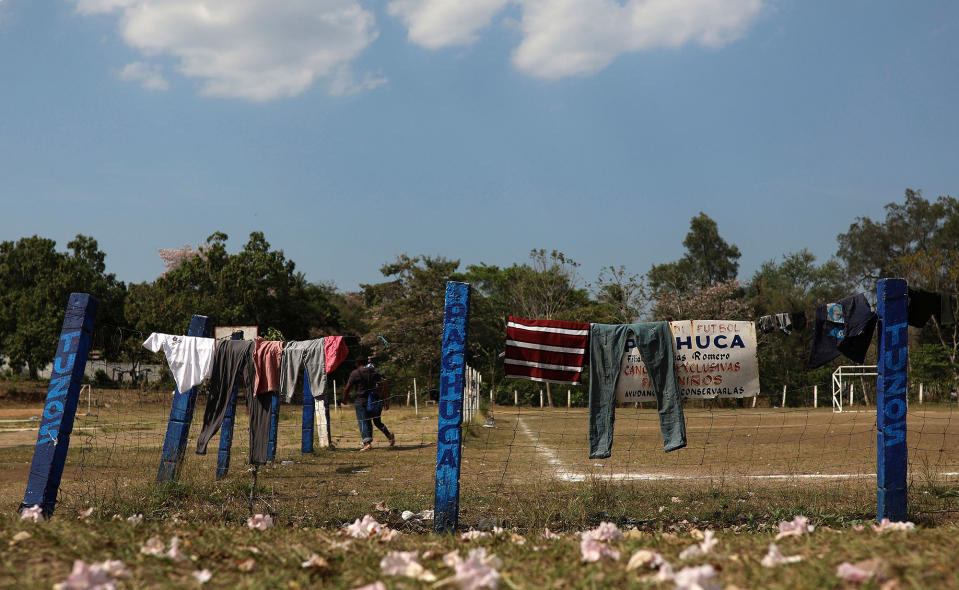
[(352, 131)]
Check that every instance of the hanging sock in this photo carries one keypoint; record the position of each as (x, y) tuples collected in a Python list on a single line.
[(784, 322), (766, 324)]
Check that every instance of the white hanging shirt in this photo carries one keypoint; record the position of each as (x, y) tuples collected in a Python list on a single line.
[(190, 358)]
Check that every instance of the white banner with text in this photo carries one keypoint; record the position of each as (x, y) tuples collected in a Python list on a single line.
[(714, 358)]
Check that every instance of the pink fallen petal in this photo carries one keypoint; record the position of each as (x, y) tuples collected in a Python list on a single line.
[(775, 557), (851, 573), (374, 586), (174, 551), (387, 534), (363, 528), (260, 522), (665, 573), (405, 564), (316, 562), (84, 514), (114, 568), (202, 576), (594, 550), (644, 558), (135, 519), (94, 576), (606, 531), (86, 577), (153, 546), (34, 513), (705, 547), (886, 526), (794, 528), (697, 578), (478, 570), (473, 535), (451, 559), (548, 534)]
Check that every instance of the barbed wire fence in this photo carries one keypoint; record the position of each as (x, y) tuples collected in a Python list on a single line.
[(524, 464)]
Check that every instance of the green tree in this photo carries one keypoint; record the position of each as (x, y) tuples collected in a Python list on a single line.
[(919, 241), (708, 259), (547, 287), (719, 301), (625, 295), (873, 249), (256, 286), (407, 311), (35, 282), (795, 283)]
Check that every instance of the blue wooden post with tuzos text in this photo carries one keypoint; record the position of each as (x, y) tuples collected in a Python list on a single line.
[(306, 445), (181, 414), (226, 429), (56, 425), (891, 465), (450, 422)]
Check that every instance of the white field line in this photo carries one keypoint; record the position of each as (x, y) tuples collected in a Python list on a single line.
[(564, 473)]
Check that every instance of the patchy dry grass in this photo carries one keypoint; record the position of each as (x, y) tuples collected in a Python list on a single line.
[(920, 559), (527, 472)]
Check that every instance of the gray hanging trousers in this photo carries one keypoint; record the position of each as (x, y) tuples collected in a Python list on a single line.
[(305, 353), (232, 365), (607, 344)]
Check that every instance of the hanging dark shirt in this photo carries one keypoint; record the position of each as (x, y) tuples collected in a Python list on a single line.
[(923, 304), (798, 319), (845, 328)]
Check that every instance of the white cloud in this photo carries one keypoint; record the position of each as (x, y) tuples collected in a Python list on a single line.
[(579, 37), (252, 49), (148, 75), (343, 82), (441, 23), (101, 6)]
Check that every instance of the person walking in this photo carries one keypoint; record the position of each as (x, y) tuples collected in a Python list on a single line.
[(363, 383)]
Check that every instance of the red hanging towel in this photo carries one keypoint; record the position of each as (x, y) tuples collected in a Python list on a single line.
[(266, 360), (335, 352), (545, 350)]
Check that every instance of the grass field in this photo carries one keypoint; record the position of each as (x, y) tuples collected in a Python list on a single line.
[(523, 468)]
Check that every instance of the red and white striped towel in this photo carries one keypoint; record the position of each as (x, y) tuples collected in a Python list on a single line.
[(545, 350)]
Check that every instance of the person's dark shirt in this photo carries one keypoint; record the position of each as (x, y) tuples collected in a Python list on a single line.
[(362, 380)]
